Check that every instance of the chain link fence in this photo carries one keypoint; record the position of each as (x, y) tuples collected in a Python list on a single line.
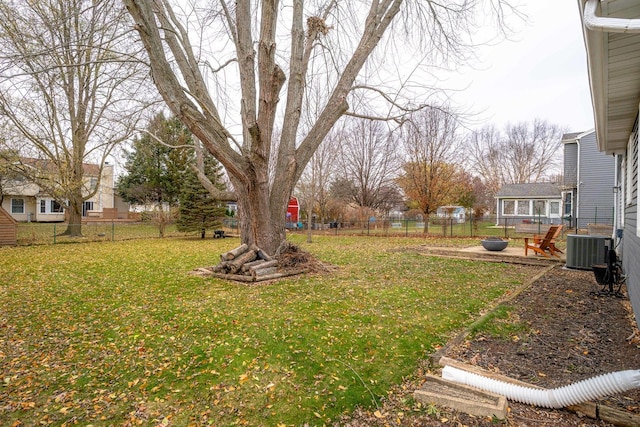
[(440, 227), (486, 226), (53, 233), (33, 233)]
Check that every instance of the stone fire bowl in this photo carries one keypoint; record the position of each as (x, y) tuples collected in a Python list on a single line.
[(494, 244)]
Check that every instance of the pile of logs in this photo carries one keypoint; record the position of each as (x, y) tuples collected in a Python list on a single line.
[(248, 264)]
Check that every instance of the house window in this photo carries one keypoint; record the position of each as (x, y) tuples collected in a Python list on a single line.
[(524, 207), (17, 206), (540, 207), (568, 198), (50, 206), (554, 208), (86, 207), (56, 207), (508, 207)]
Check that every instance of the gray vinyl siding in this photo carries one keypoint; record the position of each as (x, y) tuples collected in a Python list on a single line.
[(596, 176), (630, 258), (570, 164), (631, 241)]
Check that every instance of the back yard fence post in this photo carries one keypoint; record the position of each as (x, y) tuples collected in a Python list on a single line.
[(54, 234), (471, 225)]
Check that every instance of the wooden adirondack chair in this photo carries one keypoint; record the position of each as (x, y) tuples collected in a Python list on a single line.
[(553, 240), (544, 245), (537, 238)]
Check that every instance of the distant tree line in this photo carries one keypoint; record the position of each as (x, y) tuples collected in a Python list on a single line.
[(368, 167)]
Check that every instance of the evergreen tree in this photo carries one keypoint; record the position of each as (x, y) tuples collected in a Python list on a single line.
[(155, 171), (199, 210)]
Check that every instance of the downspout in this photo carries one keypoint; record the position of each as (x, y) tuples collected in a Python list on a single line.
[(576, 196), (594, 22), (616, 199)]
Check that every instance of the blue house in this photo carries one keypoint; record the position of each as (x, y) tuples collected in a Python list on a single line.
[(529, 202), (589, 178)]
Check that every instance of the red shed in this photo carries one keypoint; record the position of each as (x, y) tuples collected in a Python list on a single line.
[(293, 210)]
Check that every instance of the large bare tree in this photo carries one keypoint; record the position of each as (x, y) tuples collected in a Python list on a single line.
[(271, 51), (432, 175), (523, 153), (369, 161), (70, 90)]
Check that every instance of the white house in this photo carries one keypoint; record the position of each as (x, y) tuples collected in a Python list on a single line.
[(25, 201), (456, 213)]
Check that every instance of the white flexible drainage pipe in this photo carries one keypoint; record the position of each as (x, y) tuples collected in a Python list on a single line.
[(582, 391)]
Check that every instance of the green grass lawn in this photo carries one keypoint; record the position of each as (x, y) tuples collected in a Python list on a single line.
[(110, 333)]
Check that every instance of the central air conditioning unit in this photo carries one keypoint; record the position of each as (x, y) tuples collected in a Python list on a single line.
[(583, 251)]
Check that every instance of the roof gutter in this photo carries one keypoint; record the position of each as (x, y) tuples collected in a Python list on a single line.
[(594, 22), (595, 34)]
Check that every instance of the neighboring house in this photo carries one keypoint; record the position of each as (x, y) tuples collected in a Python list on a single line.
[(25, 201), (458, 213), (531, 202), (589, 178), (612, 38)]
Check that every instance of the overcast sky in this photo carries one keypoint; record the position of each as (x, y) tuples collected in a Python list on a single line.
[(540, 73)]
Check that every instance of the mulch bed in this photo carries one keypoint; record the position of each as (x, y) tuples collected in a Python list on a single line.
[(573, 334)]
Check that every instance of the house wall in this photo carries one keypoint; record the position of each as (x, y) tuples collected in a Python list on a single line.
[(596, 178), (631, 233), (105, 196), (121, 206), (48, 215), (29, 208), (570, 164)]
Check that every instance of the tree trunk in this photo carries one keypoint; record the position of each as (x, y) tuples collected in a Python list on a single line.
[(426, 223), (74, 212), (262, 218)]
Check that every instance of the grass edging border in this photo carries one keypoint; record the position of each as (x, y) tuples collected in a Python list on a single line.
[(434, 359), (592, 410)]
